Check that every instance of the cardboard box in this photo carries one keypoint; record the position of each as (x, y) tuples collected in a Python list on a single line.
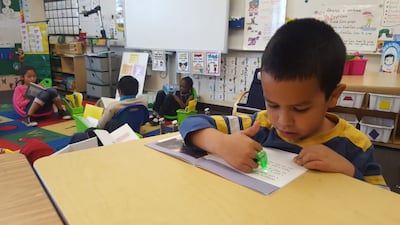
[(75, 48)]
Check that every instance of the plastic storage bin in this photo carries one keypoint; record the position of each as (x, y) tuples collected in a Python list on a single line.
[(182, 115), (101, 78), (351, 99), (351, 118), (80, 124), (377, 129), (72, 110), (355, 67), (98, 63), (99, 90), (358, 67), (387, 103)]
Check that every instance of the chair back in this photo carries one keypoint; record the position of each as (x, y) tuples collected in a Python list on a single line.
[(135, 115), (255, 99)]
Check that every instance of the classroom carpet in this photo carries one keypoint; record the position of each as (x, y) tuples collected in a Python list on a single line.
[(52, 130)]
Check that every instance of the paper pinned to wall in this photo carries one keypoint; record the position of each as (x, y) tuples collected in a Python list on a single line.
[(262, 19), (134, 64)]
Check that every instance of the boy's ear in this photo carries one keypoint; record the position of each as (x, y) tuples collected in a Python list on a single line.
[(336, 95)]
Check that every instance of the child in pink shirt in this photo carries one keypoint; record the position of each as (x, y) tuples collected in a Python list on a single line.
[(42, 104)]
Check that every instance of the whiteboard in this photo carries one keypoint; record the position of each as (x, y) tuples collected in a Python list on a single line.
[(177, 24)]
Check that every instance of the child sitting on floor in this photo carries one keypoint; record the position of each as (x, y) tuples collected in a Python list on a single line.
[(38, 105), (167, 104)]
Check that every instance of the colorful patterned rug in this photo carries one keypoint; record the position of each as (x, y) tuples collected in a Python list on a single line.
[(52, 130)]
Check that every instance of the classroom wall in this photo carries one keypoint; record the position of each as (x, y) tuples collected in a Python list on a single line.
[(210, 90)]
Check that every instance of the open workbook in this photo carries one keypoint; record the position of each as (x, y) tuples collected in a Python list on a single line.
[(33, 90), (122, 134), (280, 170)]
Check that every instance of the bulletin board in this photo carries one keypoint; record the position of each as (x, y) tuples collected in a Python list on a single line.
[(177, 24), (360, 23)]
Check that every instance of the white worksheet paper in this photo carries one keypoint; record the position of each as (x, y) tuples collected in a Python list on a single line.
[(280, 170)]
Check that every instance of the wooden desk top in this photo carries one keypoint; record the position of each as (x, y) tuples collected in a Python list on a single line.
[(128, 183), (23, 200), (373, 83)]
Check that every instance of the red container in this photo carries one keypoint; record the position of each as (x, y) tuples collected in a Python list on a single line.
[(358, 66), (347, 65)]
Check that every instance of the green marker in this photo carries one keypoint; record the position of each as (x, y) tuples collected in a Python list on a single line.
[(262, 160)]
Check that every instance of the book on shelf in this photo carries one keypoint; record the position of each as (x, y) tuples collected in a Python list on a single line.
[(281, 169)]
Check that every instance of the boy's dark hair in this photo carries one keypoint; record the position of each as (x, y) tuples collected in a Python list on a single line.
[(303, 49), (188, 81), (128, 85), (25, 69)]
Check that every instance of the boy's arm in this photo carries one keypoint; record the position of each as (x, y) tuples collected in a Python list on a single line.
[(237, 149), (321, 157)]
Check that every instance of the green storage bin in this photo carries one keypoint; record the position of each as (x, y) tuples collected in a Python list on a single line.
[(72, 110), (81, 126), (182, 115)]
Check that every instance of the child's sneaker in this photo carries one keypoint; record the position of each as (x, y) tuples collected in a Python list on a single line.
[(28, 122), (154, 121), (63, 115)]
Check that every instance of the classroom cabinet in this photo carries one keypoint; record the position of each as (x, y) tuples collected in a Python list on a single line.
[(102, 75), (75, 65), (68, 70)]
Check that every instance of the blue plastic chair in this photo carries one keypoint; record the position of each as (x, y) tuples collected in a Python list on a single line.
[(255, 98), (134, 115)]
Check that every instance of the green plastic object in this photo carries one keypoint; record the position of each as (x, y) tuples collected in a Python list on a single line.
[(182, 115), (46, 82), (73, 110), (262, 160), (81, 126)]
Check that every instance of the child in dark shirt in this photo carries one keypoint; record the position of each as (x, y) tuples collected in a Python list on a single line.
[(167, 104)]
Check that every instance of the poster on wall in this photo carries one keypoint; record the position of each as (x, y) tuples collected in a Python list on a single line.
[(134, 64), (158, 60), (198, 61), (213, 63), (262, 19), (357, 25), (35, 39), (182, 61)]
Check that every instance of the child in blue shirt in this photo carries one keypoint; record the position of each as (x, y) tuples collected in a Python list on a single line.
[(301, 70)]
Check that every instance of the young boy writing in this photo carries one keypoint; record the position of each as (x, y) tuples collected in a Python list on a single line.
[(301, 70)]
